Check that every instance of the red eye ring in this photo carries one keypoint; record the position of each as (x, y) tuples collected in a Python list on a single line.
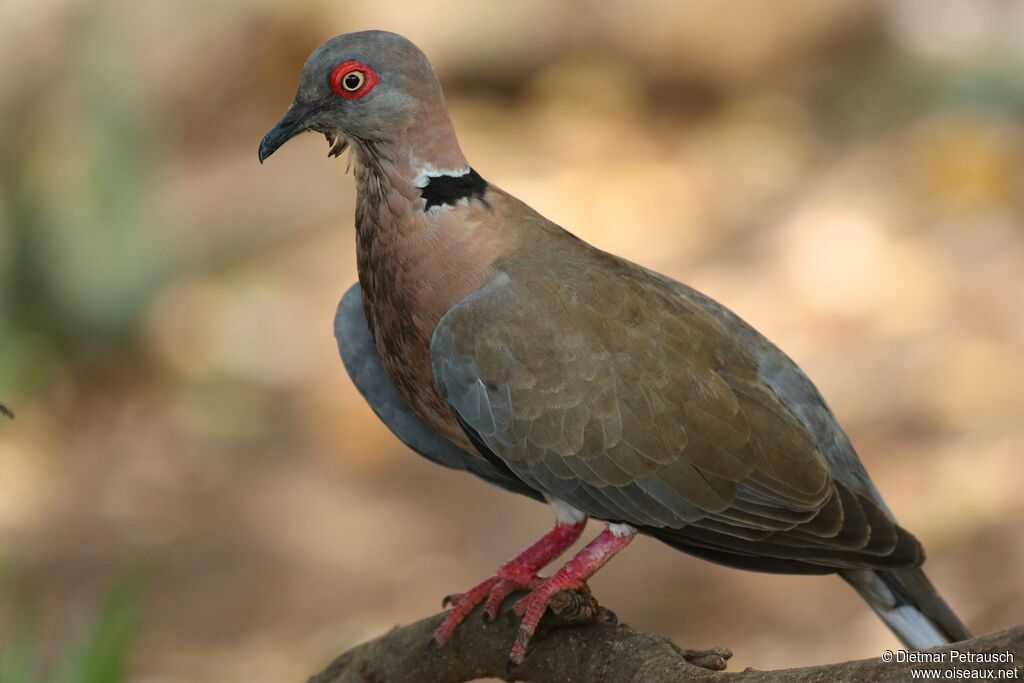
[(366, 81)]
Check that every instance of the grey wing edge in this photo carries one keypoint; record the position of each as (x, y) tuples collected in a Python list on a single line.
[(359, 356), (796, 391)]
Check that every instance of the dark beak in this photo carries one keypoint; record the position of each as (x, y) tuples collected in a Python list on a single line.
[(291, 124)]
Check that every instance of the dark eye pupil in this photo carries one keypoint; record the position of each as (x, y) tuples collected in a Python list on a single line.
[(353, 81)]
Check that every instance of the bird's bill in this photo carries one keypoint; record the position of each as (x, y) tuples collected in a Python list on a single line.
[(295, 121)]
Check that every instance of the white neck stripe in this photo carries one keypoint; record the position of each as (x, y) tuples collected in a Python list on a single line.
[(427, 172)]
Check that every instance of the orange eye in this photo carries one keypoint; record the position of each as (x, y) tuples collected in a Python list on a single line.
[(353, 79)]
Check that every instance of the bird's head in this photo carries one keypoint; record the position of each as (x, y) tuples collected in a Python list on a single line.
[(369, 86)]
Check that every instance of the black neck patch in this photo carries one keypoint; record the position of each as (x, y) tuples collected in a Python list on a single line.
[(448, 189)]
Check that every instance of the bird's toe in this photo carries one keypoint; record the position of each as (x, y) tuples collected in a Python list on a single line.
[(462, 604)]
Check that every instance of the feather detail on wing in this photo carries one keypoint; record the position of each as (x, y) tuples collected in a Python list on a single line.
[(603, 385)]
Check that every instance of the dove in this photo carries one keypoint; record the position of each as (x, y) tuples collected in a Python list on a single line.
[(490, 340)]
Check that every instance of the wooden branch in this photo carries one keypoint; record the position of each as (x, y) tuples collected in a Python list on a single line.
[(611, 653)]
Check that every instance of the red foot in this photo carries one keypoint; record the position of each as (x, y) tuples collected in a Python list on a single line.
[(517, 574), (571, 576)]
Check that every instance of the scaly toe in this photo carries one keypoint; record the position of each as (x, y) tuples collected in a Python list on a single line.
[(501, 590), (531, 609), (518, 653), (536, 599), (462, 604), (504, 588)]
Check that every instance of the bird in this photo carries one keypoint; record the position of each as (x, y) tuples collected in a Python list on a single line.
[(490, 340)]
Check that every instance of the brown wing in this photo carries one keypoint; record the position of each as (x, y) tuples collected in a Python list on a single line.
[(601, 385)]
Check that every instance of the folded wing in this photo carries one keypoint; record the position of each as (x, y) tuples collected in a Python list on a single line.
[(605, 386)]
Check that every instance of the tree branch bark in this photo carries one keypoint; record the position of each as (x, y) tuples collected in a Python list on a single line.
[(614, 653)]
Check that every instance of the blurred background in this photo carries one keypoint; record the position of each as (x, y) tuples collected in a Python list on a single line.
[(192, 489)]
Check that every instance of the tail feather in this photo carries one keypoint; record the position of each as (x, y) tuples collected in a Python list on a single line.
[(908, 603)]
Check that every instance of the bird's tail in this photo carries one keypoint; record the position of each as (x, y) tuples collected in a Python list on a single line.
[(908, 603)]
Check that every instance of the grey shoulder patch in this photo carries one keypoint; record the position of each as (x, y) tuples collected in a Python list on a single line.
[(359, 355), (458, 380)]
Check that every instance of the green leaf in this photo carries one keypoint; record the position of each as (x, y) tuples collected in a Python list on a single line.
[(102, 657)]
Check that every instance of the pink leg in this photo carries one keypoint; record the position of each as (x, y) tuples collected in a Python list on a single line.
[(516, 574), (574, 574)]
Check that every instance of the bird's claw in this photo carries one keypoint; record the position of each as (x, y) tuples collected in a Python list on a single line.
[(449, 600), (493, 590), (572, 602), (462, 604), (504, 588)]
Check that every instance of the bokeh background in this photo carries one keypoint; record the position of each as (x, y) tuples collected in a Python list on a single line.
[(192, 482)]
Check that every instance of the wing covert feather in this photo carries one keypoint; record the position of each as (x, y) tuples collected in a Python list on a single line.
[(604, 386)]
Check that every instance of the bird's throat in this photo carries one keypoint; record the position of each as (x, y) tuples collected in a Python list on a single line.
[(414, 265)]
